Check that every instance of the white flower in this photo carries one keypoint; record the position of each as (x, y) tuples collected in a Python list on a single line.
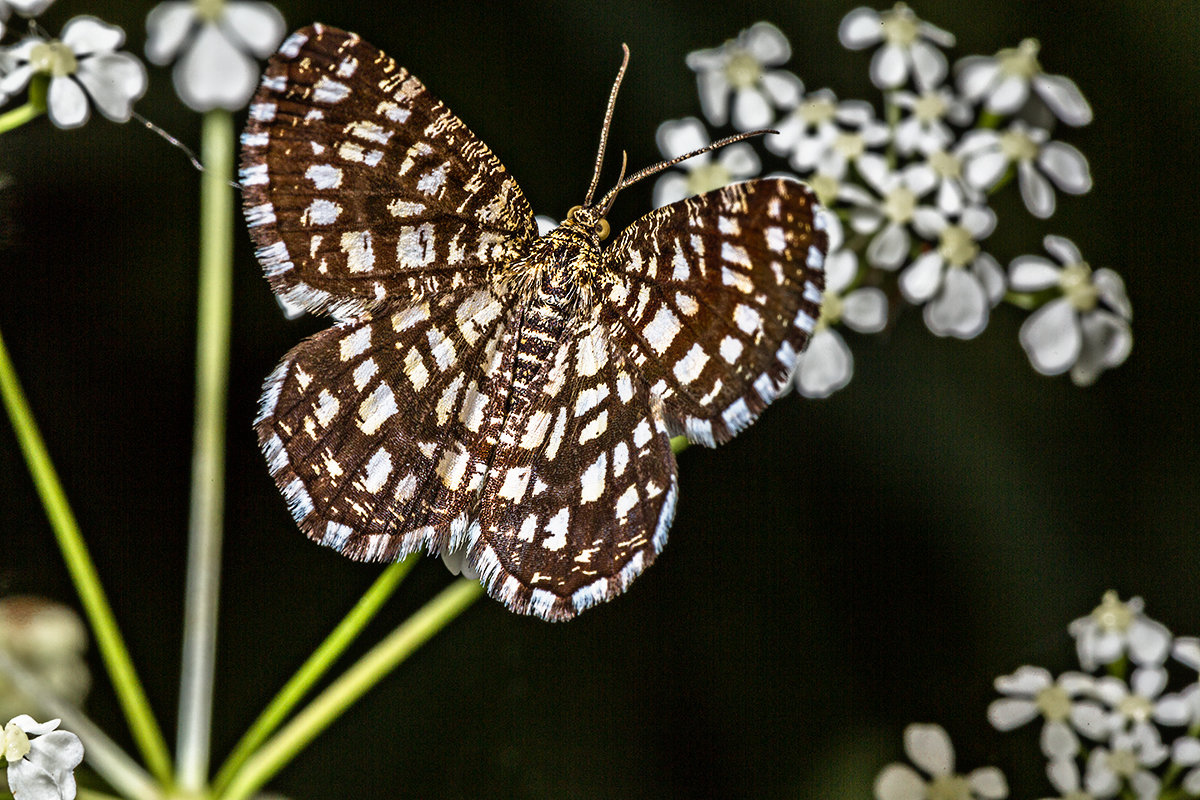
[(823, 134), (1064, 774), (1185, 752), (889, 215), (217, 38), (24, 8), (930, 749), (1133, 708), (953, 192), (1005, 79), (740, 66), (1114, 629), (827, 365), (1128, 761), (49, 639), (957, 281), (1074, 331), (987, 155), (1031, 692), (41, 768), (1186, 650), (703, 173), (83, 63), (904, 49), (924, 130)]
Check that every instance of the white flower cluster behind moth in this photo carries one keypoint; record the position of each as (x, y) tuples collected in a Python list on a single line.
[(41, 759), (501, 396)]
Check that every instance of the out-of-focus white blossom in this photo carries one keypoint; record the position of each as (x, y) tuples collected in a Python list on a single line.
[(930, 749), (988, 154), (910, 45), (48, 639), (220, 41), (41, 767), (1085, 330), (1116, 628), (24, 8), (83, 63), (1064, 703), (1003, 82), (889, 215), (924, 129), (741, 67), (704, 172)]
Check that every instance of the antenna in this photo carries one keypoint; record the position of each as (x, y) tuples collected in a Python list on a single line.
[(608, 115)]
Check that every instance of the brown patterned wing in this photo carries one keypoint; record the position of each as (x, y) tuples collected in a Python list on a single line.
[(360, 186), (582, 488), (375, 431), (716, 297)]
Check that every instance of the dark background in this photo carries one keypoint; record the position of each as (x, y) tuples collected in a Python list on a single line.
[(840, 569)]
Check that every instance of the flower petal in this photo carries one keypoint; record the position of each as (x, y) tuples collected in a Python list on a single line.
[(928, 222), (783, 88), (1032, 274), (1066, 166), (1173, 709), (67, 103), (923, 278), (1026, 681), (1149, 641), (865, 310), (985, 169), (1051, 336), (1064, 99), (861, 28), (1187, 651), (960, 309), (889, 67), (26, 779), (750, 109), (825, 366), (767, 43), (214, 74), (741, 161), (929, 65), (1090, 720), (678, 136), (1186, 751), (167, 27), (979, 221), (991, 276), (889, 247), (1008, 96), (259, 26), (670, 188), (899, 782), (1112, 291), (16, 80), (1035, 191), (976, 75), (713, 89), (1008, 713), (1059, 741), (1063, 249), (840, 268), (1064, 775), (85, 35), (114, 81), (929, 748), (988, 782)]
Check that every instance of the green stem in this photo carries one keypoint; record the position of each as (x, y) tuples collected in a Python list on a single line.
[(90, 794), (112, 648), (33, 108), (208, 456), (314, 668), (348, 688)]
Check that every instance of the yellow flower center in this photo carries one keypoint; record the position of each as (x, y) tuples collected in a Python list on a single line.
[(1017, 146), (899, 204), (850, 145), (53, 58), (706, 177), (1054, 703), (210, 10), (899, 25), (16, 743), (1077, 286), (832, 308), (929, 107), (816, 112), (742, 69), (957, 246), (826, 188), (949, 787), (1136, 708), (1020, 61), (1112, 614), (945, 165)]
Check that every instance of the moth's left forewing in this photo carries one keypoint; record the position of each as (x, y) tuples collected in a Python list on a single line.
[(715, 298)]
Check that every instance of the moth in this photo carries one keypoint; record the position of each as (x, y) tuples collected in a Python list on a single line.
[(485, 390)]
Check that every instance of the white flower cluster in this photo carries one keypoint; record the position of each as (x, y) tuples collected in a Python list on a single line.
[(41, 767), (912, 187), (1116, 734), (217, 42)]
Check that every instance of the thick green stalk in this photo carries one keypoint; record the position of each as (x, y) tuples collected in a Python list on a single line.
[(355, 682), (208, 456), (83, 573), (314, 668), (33, 108)]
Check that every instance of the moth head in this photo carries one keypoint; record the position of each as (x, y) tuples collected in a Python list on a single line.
[(589, 218)]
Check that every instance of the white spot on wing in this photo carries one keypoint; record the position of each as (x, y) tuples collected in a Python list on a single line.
[(688, 368)]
